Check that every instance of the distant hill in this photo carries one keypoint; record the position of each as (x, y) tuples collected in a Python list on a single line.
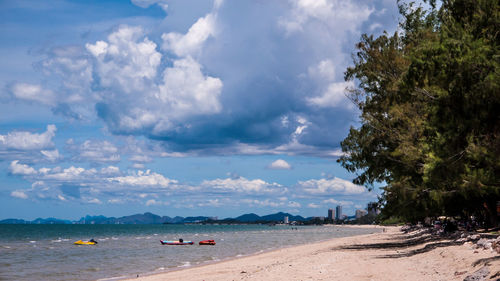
[(281, 216), (248, 218), (150, 218), (278, 217)]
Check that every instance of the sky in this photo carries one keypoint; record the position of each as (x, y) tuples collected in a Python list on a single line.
[(182, 107)]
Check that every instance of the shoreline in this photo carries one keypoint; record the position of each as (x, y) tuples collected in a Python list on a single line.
[(238, 257), (346, 258)]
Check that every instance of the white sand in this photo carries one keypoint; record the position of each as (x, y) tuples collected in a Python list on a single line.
[(325, 261)]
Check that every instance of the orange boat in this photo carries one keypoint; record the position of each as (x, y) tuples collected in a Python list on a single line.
[(207, 242)]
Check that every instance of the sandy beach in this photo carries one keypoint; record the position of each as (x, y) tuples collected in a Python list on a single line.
[(389, 255)]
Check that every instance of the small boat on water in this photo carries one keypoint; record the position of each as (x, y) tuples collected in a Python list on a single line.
[(179, 242), (90, 242), (207, 242)]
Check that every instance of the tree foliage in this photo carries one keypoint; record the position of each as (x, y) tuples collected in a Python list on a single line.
[(429, 98)]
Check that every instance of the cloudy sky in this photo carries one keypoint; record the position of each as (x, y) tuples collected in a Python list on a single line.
[(184, 107)]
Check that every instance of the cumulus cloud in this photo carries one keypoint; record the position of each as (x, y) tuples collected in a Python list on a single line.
[(19, 194), (146, 3), (95, 151), (262, 203), (280, 164), (153, 202), (333, 96), (145, 178), (191, 42), (127, 61), (28, 141), (313, 206), (21, 169), (243, 185), (215, 84), (338, 202), (33, 93), (328, 12), (211, 203), (187, 91), (330, 186)]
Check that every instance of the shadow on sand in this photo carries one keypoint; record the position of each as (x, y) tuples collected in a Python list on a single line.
[(404, 241)]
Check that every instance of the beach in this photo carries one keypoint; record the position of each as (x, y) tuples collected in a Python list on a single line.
[(387, 255)]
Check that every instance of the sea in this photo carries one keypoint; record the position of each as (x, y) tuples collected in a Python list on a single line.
[(47, 252)]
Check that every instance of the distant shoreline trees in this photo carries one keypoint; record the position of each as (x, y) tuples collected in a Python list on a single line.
[(429, 98)]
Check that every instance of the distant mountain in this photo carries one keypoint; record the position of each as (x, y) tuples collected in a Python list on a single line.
[(50, 221), (36, 221), (248, 218), (281, 216), (150, 218), (268, 218), (13, 221), (96, 220)]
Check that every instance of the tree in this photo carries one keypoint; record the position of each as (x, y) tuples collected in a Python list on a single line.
[(430, 127)]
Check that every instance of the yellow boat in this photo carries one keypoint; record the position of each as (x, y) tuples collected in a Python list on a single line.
[(80, 242)]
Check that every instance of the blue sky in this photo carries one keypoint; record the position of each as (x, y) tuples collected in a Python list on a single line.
[(213, 108)]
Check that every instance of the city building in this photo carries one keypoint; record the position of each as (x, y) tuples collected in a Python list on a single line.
[(285, 220), (331, 214), (338, 213), (361, 213)]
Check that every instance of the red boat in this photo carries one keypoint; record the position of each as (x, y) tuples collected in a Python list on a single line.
[(207, 242)]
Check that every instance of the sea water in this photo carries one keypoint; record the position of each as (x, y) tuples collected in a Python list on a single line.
[(47, 252)]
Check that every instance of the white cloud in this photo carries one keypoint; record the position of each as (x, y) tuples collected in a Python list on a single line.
[(93, 201), (116, 201), (33, 93), (243, 185), (330, 186), (98, 151), (293, 204), (70, 174), (138, 166), (146, 3), (186, 91), (211, 203), (280, 164), (153, 202), (51, 155), (141, 158), (19, 194), (110, 170), (323, 71), (28, 141), (145, 178), (191, 42), (332, 13), (313, 206), (337, 202), (21, 169), (128, 61), (261, 203), (333, 96)]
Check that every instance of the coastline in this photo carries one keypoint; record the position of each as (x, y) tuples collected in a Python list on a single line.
[(362, 257)]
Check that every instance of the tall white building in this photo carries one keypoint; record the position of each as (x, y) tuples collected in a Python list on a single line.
[(285, 220)]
